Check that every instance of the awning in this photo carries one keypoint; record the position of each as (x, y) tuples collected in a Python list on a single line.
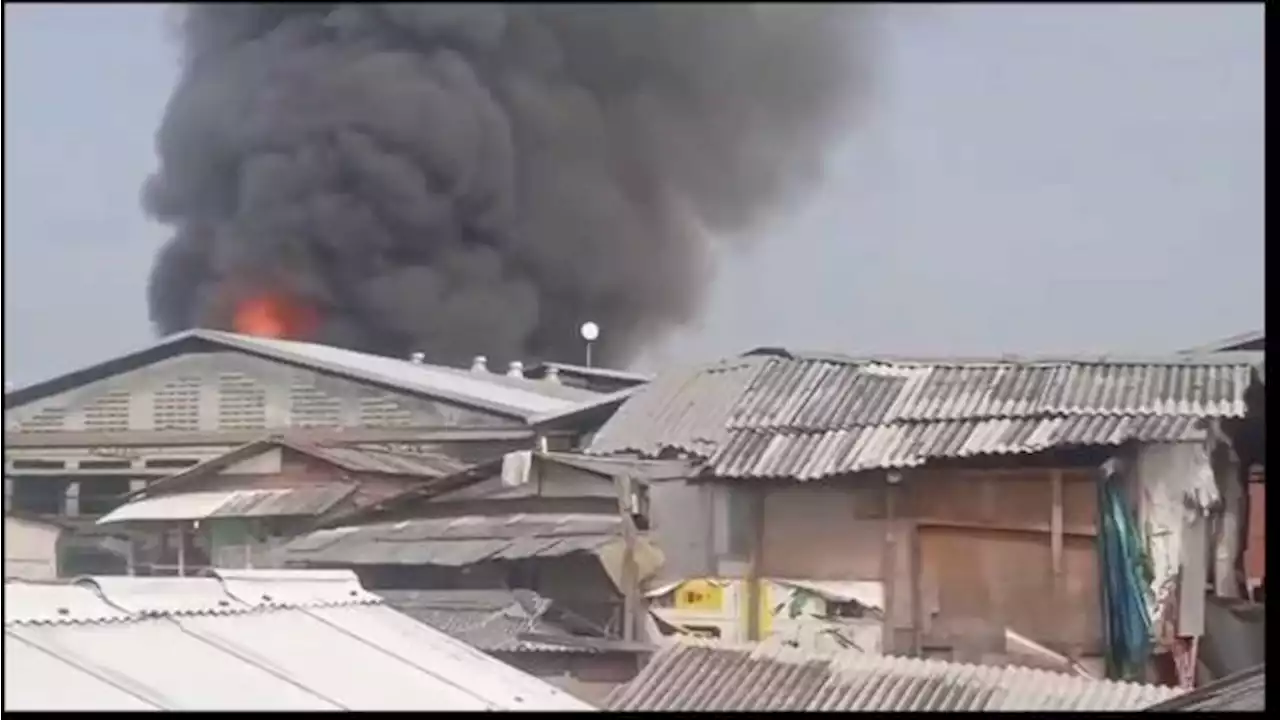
[(230, 504)]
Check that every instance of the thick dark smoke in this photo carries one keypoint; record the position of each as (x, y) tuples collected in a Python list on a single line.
[(463, 179)]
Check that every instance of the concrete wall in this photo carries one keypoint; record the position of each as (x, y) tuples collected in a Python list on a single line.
[(30, 549)]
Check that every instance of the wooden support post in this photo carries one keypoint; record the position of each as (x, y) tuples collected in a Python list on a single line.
[(753, 563), (917, 593), (182, 551), (1055, 523), (889, 564), (632, 608)]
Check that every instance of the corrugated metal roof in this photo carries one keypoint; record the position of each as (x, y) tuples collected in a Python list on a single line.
[(693, 675), (1244, 691), (765, 416), (522, 396), (511, 397), (276, 502), (489, 620), (351, 459), (455, 541), (1244, 341), (365, 460), (195, 644), (811, 455)]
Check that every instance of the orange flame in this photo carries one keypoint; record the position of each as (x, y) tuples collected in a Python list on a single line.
[(273, 316)]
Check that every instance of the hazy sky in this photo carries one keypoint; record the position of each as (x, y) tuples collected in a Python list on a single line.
[(1050, 178)]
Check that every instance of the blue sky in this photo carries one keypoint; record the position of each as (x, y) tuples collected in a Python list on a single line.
[(1038, 178)]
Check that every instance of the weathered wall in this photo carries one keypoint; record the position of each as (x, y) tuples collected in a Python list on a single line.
[(824, 532), (30, 549), (986, 546), (1255, 555), (681, 522), (588, 676), (970, 552)]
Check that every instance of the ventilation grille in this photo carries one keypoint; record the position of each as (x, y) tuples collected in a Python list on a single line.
[(50, 419), (177, 405), (383, 411), (109, 412), (242, 403), (311, 407)]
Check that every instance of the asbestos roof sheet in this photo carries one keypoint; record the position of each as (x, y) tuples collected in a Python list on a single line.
[(266, 640), (764, 415), (455, 541), (281, 502), (811, 455), (705, 676), (489, 620)]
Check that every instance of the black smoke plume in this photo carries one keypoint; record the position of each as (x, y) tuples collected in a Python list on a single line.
[(482, 178)]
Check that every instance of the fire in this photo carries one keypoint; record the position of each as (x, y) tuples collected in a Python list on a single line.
[(273, 316)]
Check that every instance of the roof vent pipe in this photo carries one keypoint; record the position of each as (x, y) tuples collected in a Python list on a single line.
[(515, 369), (479, 364), (553, 375), (418, 358)]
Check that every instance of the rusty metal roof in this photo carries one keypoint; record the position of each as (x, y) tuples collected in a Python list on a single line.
[(767, 415), (367, 460), (352, 459), (455, 541), (488, 620), (243, 640), (699, 675), (292, 502)]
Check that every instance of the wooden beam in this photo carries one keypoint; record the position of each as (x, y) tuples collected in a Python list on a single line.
[(631, 605), (588, 643), (1028, 527), (917, 593), (754, 560), (1055, 522), (889, 565)]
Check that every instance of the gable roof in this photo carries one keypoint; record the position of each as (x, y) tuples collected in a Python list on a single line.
[(358, 460), (455, 541), (771, 413), (243, 640), (1253, 340), (694, 675), (516, 398)]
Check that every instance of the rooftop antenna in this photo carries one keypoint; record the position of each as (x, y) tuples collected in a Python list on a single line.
[(589, 331)]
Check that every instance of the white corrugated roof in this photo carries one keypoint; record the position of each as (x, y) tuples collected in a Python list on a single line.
[(184, 506), (699, 675), (245, 640), (529, 397), (515, 397), (259, 502)]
